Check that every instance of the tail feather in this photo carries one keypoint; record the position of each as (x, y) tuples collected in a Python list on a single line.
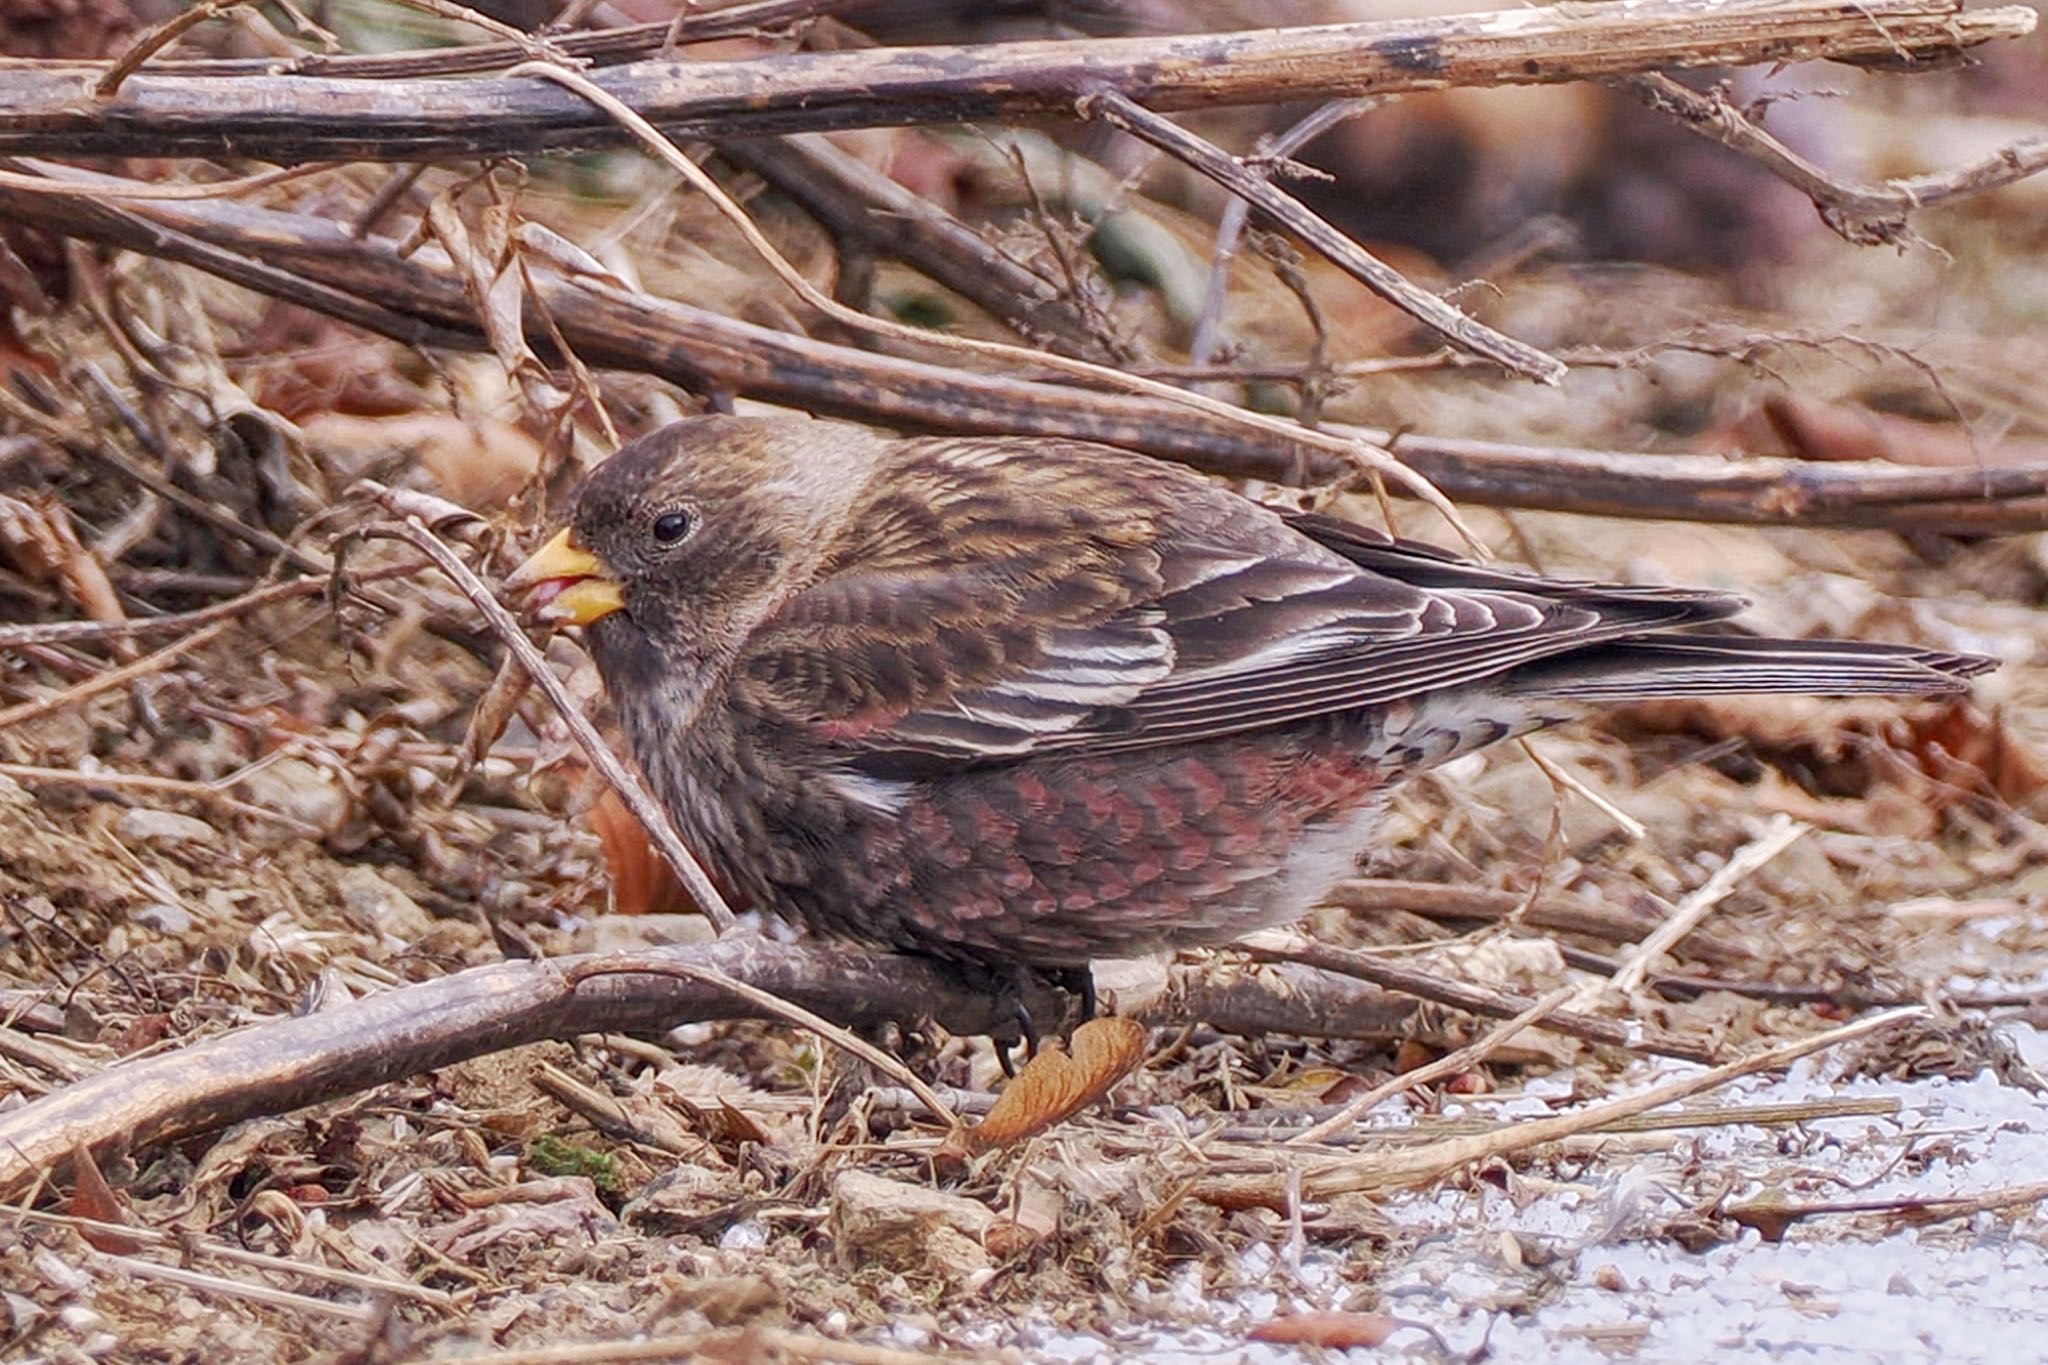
[(1669, 665), (1646, 658)]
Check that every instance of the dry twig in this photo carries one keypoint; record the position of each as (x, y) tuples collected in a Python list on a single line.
[(776, 1007), (1866, 214), (1284, 209), (1230, 226), (747, 19), (1559, 914), (1450, 1064), (109, 679), (1476, 999), (303, 1059), (47, 107), (1778, 836), (1411, 1167), (189, 1245), (866, 210), (220, 1286), (213, 793), (1369, 458)]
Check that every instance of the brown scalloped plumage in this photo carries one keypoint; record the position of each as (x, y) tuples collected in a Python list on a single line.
[(1022, 701)]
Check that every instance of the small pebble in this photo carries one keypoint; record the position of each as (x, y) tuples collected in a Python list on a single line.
[(163, 917), (145, 825)]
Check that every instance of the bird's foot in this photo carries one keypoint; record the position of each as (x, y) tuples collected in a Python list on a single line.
[(1078, 982)]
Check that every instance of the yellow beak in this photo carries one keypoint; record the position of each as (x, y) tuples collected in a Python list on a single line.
[(567, 584)]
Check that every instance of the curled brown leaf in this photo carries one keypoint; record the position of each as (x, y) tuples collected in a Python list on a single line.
[(1057, 1084)]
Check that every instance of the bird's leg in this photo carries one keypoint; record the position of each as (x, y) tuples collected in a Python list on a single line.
[(1010, 1018)]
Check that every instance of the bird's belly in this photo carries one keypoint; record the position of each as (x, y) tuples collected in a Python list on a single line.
[(1058, 862)]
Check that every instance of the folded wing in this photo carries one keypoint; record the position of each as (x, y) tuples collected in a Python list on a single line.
[(995, 606)]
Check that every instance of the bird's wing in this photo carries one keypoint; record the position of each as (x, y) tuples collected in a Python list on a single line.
[(1000, 600)]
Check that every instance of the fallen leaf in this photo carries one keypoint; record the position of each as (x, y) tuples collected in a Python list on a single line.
[(642, 881), (736, 1125), (37, 538), (1054, 1086), (487, 721), (1335, 1330), (93, 1198), (723, 1108), (1967, 746)]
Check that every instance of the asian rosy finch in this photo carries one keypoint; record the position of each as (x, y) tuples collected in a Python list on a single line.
[(1024, 702)]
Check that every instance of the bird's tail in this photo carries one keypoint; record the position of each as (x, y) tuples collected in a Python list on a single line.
[(1654, 665)]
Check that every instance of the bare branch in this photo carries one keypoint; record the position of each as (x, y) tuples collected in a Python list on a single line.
[(1366, 457), (1476, 999), (287, 1063), (748, 19), (1866, 214), (1453, 904), (1231, 224), (49, 107), (856, 202), (310, 261), (1381, 1171)]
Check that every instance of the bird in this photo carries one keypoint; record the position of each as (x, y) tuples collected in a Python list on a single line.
[(1024, 703)]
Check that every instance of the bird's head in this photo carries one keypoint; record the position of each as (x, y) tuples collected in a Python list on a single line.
[(686, 537)]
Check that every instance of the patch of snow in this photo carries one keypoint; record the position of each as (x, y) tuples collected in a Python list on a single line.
[(1565, 1264)]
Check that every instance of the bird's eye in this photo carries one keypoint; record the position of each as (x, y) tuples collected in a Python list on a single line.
[(671, 527)]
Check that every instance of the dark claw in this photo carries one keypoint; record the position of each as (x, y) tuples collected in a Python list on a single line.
[(1028, 1029), (1027, 1026), (1080, 981)]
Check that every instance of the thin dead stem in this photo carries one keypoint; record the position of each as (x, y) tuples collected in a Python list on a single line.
[(1778, 836), (1416, 1166), (113, 677), (1119, 111), (156, 40), (630, 789), (212, 189), (1450, 1064)]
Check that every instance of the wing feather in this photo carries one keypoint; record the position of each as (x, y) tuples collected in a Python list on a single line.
[(995, 601)]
